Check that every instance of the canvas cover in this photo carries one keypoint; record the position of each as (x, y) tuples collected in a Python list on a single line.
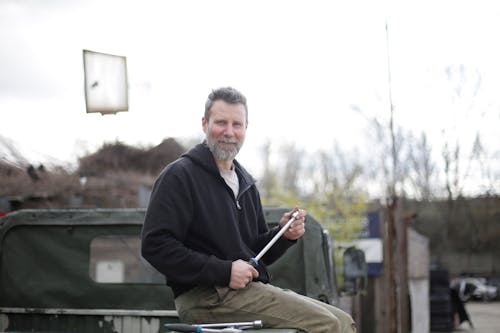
[(45, 261), (307, 267)]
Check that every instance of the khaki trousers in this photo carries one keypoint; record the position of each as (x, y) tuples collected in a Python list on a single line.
[(276, 307)]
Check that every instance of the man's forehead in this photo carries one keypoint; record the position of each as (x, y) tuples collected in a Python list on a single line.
[(221, 108)]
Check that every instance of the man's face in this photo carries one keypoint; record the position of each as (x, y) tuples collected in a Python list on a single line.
[(225, 129)]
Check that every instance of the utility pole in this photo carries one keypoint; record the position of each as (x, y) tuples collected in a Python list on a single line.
[(401, 228), (395, 238), (389, 230), (388, 241)]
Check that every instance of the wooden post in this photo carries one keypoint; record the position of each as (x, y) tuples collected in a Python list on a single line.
[(388, 250), (401, 270)]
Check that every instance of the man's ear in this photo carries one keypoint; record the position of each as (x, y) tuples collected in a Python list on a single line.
[(204, 124)]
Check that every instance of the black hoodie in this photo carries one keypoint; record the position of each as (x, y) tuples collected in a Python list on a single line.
[(195, 228)]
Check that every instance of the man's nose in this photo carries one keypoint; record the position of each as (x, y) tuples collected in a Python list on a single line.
[(229, 130)]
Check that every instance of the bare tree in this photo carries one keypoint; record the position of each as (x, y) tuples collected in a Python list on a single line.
[(481, 167), (291, 159), (338, 193), (388, 149), (422, 168), (465, 87), (268, 180), (328, 183)]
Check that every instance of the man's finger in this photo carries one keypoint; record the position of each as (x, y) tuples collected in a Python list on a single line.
[(255, 273)]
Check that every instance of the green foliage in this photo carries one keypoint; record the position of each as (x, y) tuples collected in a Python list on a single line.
[(341, 212), (327, 184), (278, 196), (339, 266)]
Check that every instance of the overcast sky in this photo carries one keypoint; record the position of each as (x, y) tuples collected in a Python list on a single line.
[(301, 64)]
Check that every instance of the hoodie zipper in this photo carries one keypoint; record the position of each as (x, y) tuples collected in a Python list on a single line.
[(237, 199)]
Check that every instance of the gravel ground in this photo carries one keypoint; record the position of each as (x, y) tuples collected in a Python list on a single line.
[(485, 317)]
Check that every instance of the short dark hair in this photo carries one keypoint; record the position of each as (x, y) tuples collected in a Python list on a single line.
[(228, 95)]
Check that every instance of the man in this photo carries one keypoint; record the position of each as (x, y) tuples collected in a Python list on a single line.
[(205, 221)]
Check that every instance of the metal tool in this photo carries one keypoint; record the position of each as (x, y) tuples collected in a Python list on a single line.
[(255, 261), (241, 325), (217, 327)]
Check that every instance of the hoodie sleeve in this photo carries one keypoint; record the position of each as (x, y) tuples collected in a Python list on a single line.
[(166, 226)]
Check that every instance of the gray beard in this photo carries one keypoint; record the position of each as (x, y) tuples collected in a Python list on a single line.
[(223, 154)]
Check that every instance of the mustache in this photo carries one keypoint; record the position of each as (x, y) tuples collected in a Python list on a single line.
[(227, 140)]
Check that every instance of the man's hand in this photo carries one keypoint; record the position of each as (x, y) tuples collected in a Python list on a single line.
[(297, 228), (242, 273)]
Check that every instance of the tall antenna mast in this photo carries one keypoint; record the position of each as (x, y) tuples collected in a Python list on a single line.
[(391, 122)]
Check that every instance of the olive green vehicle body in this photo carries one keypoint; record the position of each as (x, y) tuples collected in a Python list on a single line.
[(50, 282)]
